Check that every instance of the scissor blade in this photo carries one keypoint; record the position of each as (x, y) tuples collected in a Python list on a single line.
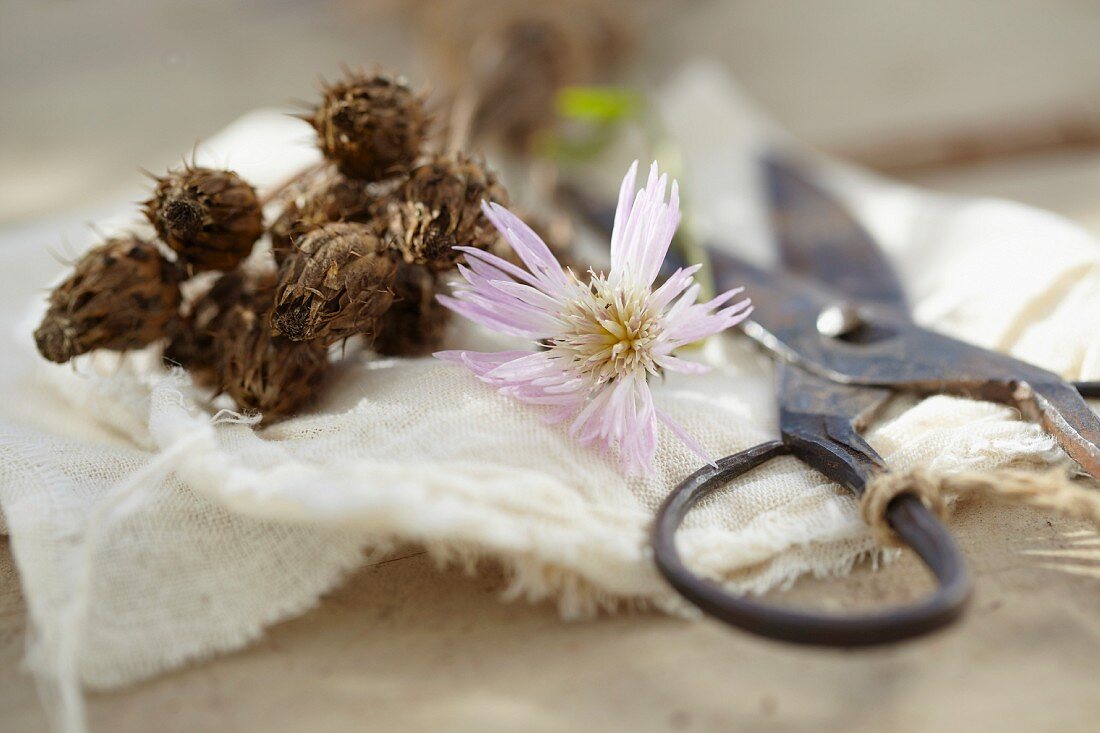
[(785, 306), (889, 352), (818, 238), (1062, 411), (820, 418)]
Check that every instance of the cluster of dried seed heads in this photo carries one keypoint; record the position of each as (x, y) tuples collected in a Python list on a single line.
[(361, 245), (365, 242)]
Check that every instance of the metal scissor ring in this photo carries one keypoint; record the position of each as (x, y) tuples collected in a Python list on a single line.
[(911, 520)]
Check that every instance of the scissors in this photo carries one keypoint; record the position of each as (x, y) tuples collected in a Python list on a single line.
[(834, 317)]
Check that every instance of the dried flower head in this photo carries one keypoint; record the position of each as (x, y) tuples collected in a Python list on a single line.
[(370, 124), (192, 345), (122, 295), (322, 198), (337, 284), (439, 206), (263, 372), (601, 339), (211, 218), (414, 324)]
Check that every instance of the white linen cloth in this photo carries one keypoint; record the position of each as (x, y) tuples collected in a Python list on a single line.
[(149, 531)]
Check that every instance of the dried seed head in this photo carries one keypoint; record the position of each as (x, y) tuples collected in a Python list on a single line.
[(415, 323), (263, 372), (192, 346), (325, 197), (337, 284), (211, 218), (439, 206), (122, 295), (370, 124)]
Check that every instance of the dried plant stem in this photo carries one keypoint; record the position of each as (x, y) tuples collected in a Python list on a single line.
[(461, 119)]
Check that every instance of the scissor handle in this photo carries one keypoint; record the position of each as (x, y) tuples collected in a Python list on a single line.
[(911, 520)]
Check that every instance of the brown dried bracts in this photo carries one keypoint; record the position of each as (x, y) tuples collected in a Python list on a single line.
[(439, 206), (122, 295), (372, 125), (264, 372), (414, 324), (211, 218), (324, 197), (192, 346), (336, 285)]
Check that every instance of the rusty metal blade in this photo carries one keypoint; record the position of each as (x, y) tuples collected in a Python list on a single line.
[(818, 418), (1063, 412), (820, 239)]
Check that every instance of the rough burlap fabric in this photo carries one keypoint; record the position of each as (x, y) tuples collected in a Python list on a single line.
[(150, 528)]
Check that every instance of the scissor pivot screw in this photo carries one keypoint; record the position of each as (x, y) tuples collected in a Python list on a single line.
[(839, 320)]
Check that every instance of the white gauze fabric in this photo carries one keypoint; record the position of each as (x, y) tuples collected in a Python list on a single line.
[(149, 531)]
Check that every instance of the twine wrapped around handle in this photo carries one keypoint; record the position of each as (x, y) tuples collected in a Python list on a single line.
[(1050, 491)]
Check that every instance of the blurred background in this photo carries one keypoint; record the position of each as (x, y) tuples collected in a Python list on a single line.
[(983, 96)]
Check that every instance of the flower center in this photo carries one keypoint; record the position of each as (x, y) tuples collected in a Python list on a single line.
[(611, 331)]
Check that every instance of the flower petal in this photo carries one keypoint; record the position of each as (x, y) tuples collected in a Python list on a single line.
[(672, 363), (622, 210), (512, 321), (687, 438), (528, 246), (480, 362), (643, 230), (671, 288), (491, 267)]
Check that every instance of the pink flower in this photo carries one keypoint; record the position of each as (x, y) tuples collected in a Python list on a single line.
[(602, 339)]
